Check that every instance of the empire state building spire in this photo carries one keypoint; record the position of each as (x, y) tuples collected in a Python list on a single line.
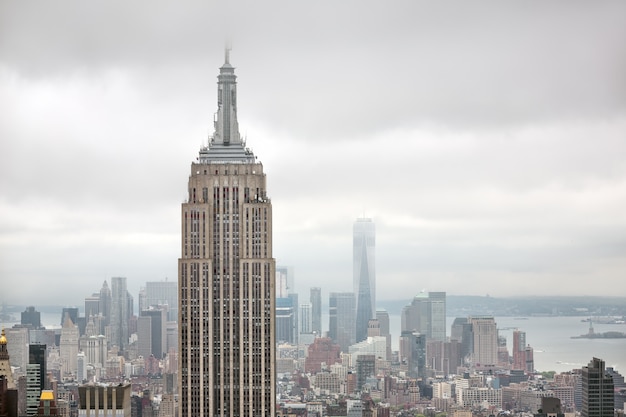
[(226, 143), (226, 126)]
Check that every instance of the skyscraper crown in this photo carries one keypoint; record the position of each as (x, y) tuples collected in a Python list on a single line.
[(226, 144)]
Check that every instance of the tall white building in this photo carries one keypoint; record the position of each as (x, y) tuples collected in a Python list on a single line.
[(226, 276), (364, 274), (68, 346)]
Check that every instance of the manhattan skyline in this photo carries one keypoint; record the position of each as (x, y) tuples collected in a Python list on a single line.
[(485, 141)]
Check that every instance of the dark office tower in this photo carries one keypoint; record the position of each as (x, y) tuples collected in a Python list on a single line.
[(31, 317), (598, 390), (105, 303), (158, 318), (37, 356), (226, 276), (364, 274), (72, 312), (316, 310), (119, 313), (341, 319)]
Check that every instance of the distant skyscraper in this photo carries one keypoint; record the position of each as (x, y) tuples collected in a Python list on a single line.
[(163, 293), (285, 320), (598, 390), (17, 343), (296, 317), (92, 305), (105, 304), (119, 313), (68, 346), (316, 310), (305, 318), (81, 367), (518, 349), (341, 328), (31, 317), (383, 321), (485, 341), (413, 352), (427, 315), (226, 276), (93, 345), (157, 321), (364, 273), (286, 277)]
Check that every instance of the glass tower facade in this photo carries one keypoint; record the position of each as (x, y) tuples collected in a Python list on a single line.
[(364, 274)]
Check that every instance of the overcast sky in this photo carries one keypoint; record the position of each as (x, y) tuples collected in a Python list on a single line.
[(487, 140)]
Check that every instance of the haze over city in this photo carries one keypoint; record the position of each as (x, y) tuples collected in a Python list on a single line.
[(485, 140)]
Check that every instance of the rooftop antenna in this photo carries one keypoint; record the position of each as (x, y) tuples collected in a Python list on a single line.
[(227, 49)]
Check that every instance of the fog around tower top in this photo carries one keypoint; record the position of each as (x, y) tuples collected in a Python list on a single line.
[(484, 139)]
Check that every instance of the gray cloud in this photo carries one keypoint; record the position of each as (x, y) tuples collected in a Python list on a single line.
[(486, 139)]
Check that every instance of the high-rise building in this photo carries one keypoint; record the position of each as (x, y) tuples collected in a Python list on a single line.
[(33, 388), (31, 317), (383, 321), (37, 355), (105, 305), (92, 305), (316, 310), (17, 343), (364, 274), (413, 352), (120, 314), (341, 328), (285, 320), (68, 346), (163, 293), (93, 345), (305, 318), (226, 276), (5, 366), (485, 341), (81, 367), (427, 315), (152, 325), (518, 349), (598, 390), (365, 367)]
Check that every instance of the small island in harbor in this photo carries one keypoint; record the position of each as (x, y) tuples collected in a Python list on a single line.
[(605, 335)]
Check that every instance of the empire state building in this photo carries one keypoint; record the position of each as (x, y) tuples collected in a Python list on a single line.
[(226, 275)]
